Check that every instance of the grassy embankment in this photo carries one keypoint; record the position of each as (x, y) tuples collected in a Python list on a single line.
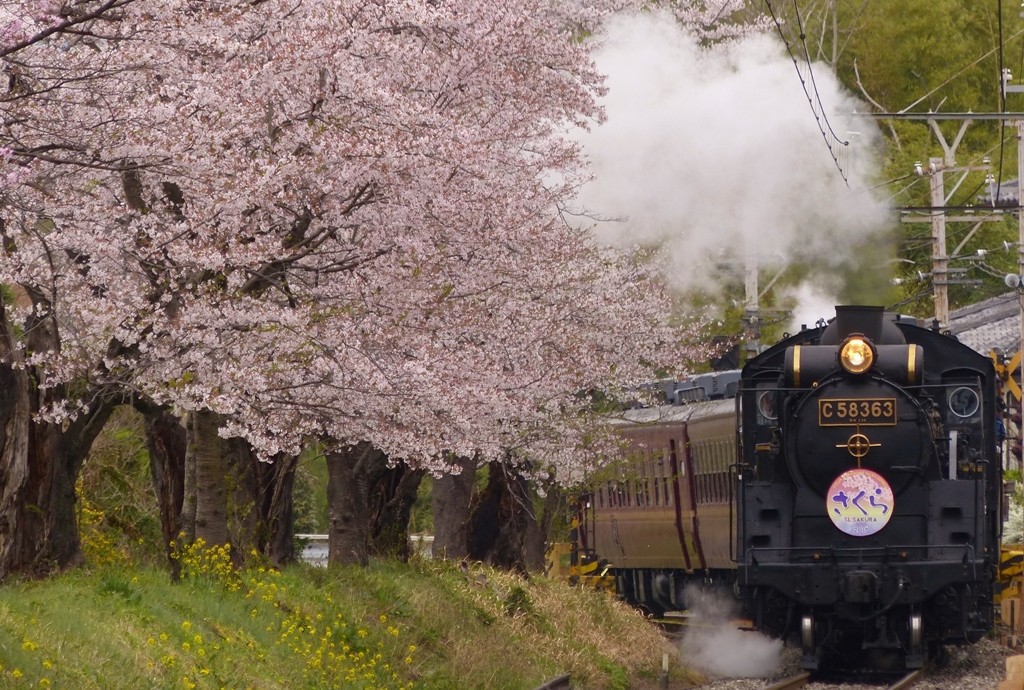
[(120, 624), (423, 625)]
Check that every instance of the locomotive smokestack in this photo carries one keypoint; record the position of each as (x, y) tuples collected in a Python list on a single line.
[(859, 319)]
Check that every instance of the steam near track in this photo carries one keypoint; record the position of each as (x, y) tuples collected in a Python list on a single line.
[(979, 667), (714, 645)]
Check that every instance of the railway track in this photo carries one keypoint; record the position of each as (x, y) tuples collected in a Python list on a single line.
[(797, 681), (559, 683), (801, 679), (908, 680)]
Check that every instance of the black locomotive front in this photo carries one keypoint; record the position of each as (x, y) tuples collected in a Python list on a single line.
[(868, 490)]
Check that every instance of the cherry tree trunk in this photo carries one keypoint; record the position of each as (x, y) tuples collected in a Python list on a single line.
[(39, 464), (211, 467), (348, 508), (502, 522), (166, 442), (263, 511), (187, 534), (450, 503), (392, 494)]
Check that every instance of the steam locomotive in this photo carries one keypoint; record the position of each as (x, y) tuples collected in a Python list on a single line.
[(846, 485)]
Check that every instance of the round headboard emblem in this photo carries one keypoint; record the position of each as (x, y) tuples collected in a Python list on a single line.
[(859, 502)]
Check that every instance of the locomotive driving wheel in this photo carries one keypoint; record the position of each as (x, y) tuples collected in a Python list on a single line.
[(915, 646), (808, 647)]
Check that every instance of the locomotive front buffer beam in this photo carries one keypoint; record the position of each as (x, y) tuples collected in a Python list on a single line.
[(872, 608)]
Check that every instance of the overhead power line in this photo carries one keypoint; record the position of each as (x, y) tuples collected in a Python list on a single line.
[(836, 146)]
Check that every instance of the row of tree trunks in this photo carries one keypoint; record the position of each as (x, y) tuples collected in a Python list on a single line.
[(218, 490)]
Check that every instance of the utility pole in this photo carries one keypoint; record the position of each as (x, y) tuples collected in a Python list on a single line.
[(1020, 262), (752, 302), (940, 262), (937, 214), (1020, 224)]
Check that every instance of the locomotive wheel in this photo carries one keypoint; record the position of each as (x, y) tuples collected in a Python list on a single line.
[(807, 633), (810, 657), (915, 648), (916, 634)]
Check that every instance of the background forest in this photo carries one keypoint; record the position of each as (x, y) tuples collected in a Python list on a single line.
[(942, 57)]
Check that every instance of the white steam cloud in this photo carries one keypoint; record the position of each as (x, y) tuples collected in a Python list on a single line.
[(710, 153), (714, 646)]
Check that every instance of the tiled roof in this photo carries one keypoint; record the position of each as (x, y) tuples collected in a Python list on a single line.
[(993, 323)]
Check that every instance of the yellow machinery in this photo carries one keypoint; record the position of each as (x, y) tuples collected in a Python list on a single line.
[(565, 562), (1008, 595)]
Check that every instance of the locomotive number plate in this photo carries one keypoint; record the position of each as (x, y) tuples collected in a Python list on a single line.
[(857, 412)]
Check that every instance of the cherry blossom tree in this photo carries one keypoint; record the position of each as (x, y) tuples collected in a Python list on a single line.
[(309, 219), (40, 455)]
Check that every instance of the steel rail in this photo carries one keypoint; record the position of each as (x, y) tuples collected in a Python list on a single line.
[(908, 680), (797, 681), (559, 683)]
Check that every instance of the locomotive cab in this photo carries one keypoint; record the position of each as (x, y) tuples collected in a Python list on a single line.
[(867, 490)]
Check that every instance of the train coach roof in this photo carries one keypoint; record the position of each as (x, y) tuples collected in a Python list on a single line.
[(668, 414)]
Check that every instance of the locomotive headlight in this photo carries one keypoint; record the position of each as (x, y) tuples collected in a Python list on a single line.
[(856, 355)]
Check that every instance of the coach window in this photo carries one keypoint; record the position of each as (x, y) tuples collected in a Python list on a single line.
[(718, 471), (714, 473), (701, 478), (697, 479), (705, 467), (721, 461), (668, 493)]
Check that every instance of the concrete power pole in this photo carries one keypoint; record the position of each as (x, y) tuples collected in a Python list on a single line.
[(940, 262), (752, 304)]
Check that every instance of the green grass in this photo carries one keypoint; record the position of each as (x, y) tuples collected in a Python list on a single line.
[(425, 625)]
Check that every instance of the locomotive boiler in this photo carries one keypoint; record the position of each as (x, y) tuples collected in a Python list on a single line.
[(845, 486), (868, 490)]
